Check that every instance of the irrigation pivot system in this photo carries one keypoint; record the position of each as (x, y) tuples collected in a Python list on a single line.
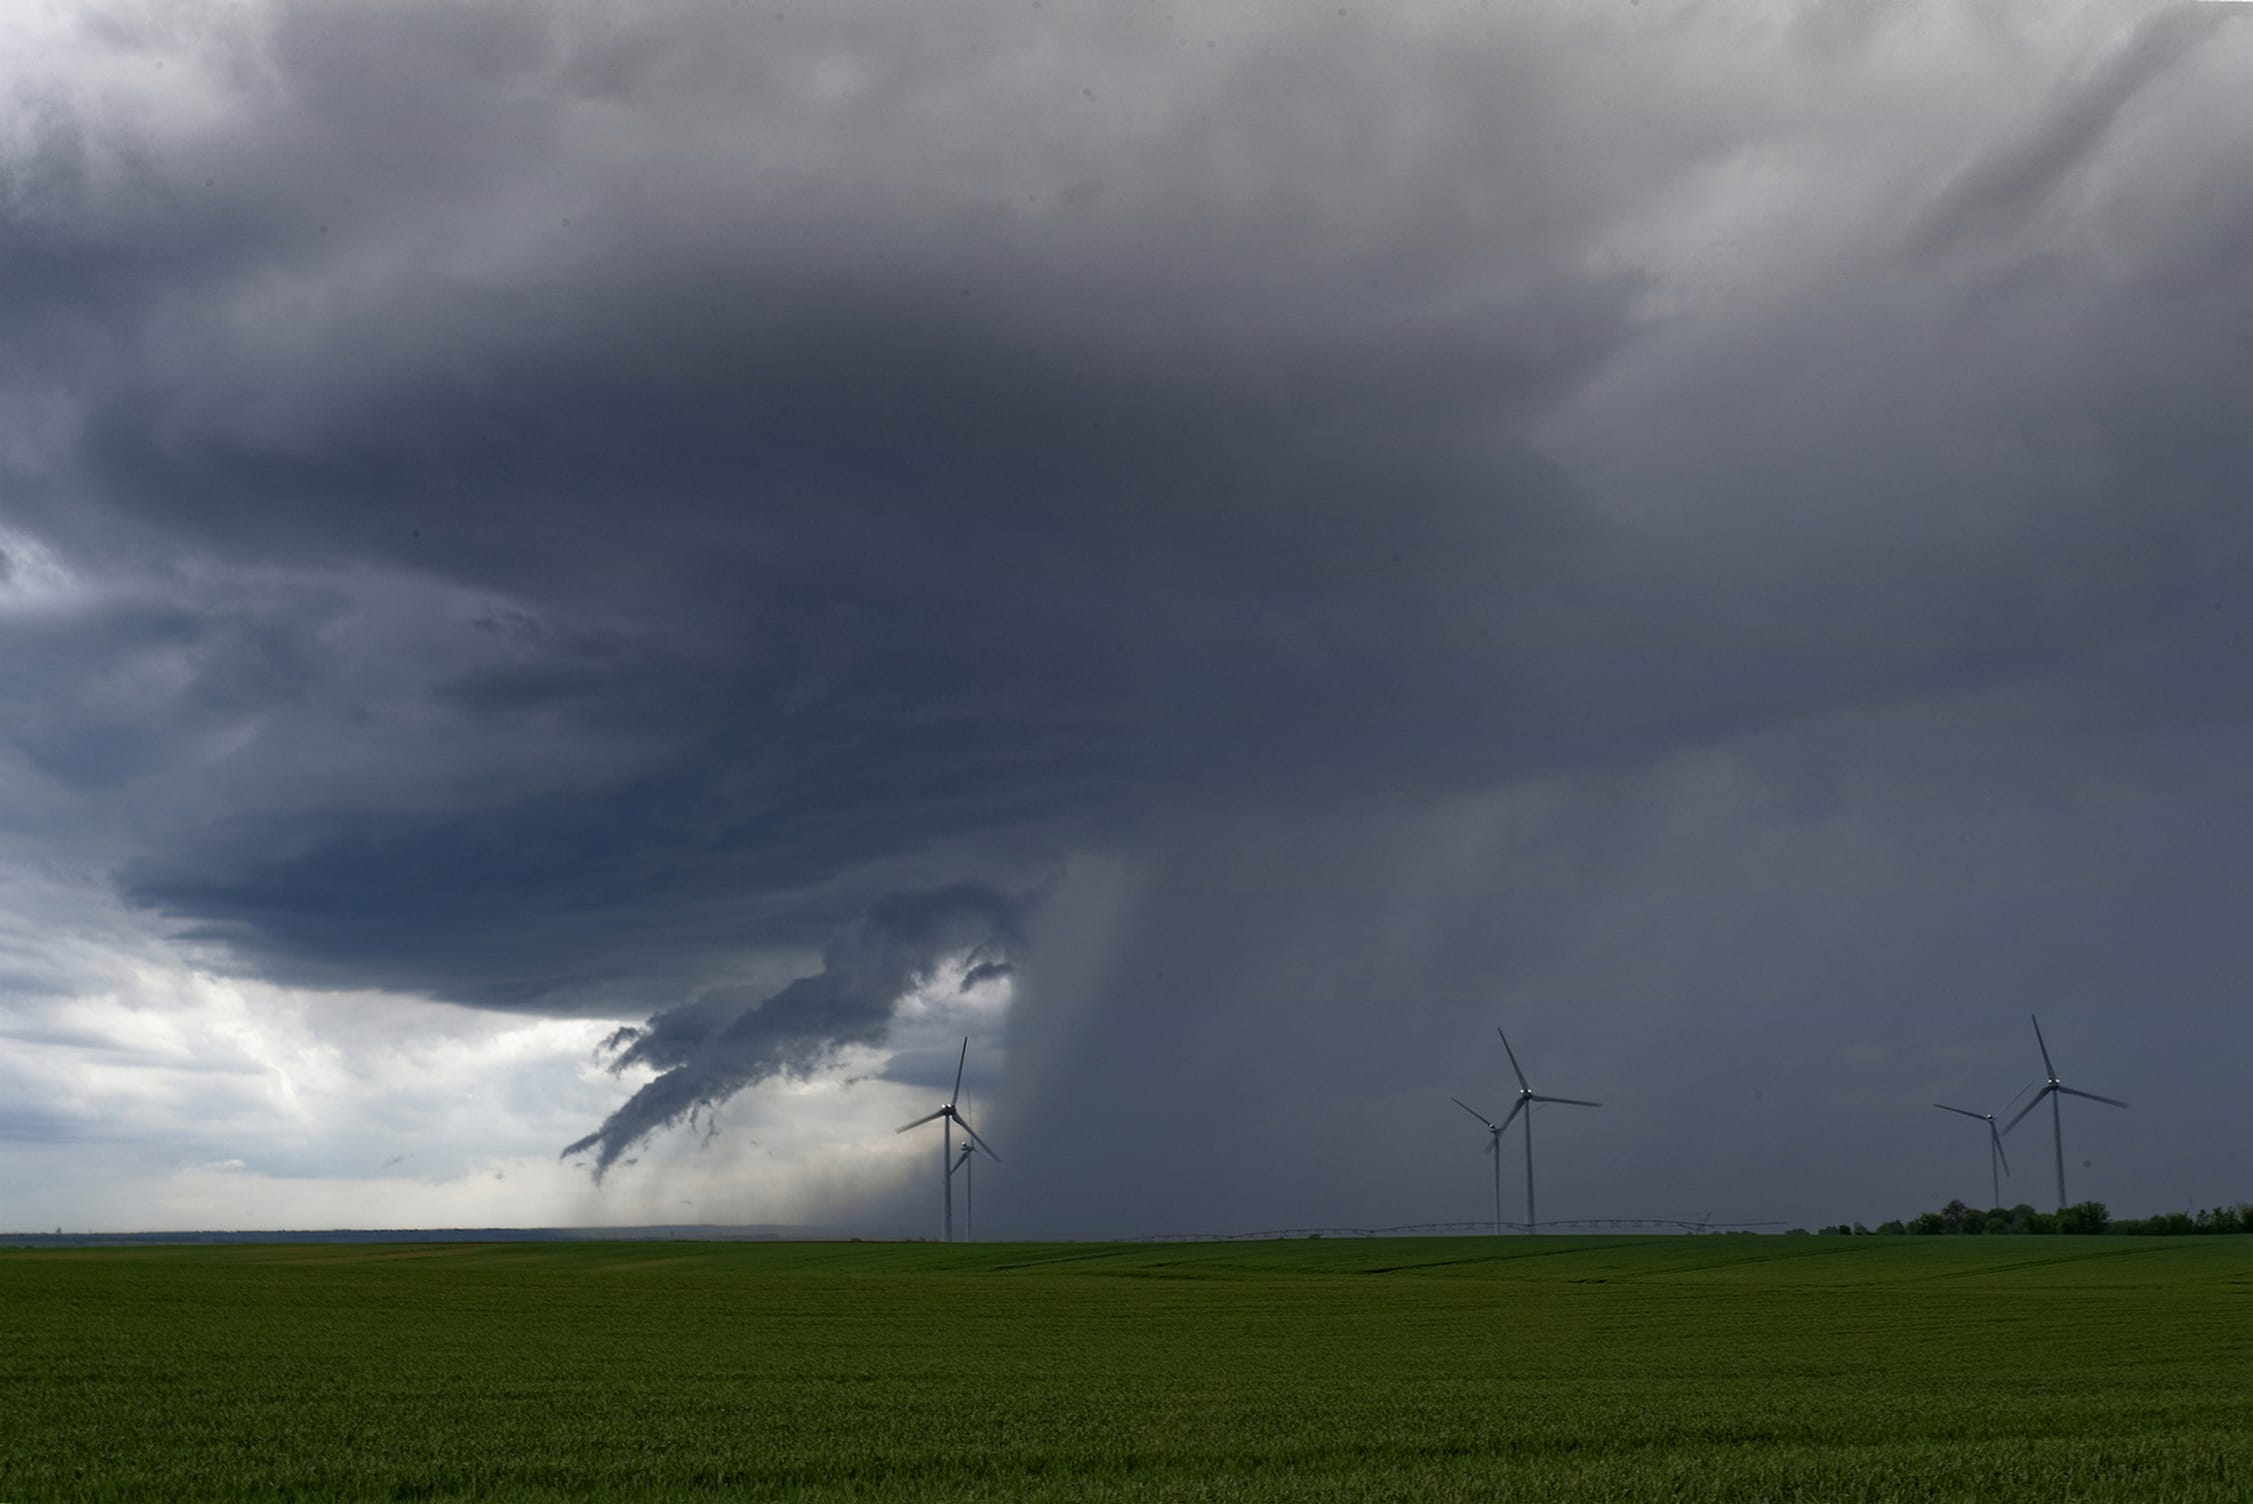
[(948, 1117), (2053, 1089), (1994, 1147)]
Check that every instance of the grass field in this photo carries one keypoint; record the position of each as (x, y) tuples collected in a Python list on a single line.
[(1550, 1368)]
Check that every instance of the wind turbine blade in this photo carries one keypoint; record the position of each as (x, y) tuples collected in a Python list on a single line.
[(2031, 1103), (919, 1122), (1513, 1054), (1515, 1108), (1985, 1117), (1568, 1101), (960, 1061), (2048, 1069), (981, 1143), (1473, 1111), (1492, 1139), (1999, 1154), (2072, 1091)]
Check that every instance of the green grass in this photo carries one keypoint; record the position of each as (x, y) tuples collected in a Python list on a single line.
[(1552, 1368)]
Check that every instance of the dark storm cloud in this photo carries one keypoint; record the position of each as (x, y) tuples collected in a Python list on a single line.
[(564, 509), (865, 521), (985, 971), (730, 1038), (2009, 186)]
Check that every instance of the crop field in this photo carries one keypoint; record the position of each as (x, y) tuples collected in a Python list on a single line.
[(1550, 1368)]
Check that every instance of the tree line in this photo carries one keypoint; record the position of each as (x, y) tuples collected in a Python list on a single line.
[(2083, 1219)]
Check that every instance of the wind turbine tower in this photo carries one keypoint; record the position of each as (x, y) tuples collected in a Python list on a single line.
[(2053, 1089), (1527, 1096), (1494, 1148), (1994, 1147), (969, 1191), (948, 1117)]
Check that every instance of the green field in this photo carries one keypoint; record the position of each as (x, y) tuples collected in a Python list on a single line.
[(1548, 1368)]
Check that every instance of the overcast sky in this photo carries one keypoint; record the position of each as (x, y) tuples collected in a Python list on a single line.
[(585, 588)]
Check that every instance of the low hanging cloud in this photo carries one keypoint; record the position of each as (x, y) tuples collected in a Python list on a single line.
[(733, 1037)]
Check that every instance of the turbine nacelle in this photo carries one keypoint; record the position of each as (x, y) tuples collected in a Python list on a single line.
[(1999, 1162)]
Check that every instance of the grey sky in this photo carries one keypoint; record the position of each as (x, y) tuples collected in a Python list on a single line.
[(1712, 536)]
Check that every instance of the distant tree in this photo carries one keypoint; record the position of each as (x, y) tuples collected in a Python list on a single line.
[(2087, 1218), (2222, 1219), (1797, 1232)]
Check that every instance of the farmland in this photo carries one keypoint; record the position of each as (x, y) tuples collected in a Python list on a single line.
[(1551, 1368)]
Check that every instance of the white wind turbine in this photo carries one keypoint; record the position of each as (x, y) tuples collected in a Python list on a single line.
[(1527, 1096), (1995, 1154), (1493, 1147), (949, 1117), (2053, 1089)]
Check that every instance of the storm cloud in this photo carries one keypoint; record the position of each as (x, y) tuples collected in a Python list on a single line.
[(1676, 523), (731, 1038)]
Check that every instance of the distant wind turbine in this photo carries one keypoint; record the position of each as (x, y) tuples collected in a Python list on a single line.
[(949, 1117), (1994, 1147), (1527, 1096), (2053, 1089), (969, 1190), (1493, 1147)]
